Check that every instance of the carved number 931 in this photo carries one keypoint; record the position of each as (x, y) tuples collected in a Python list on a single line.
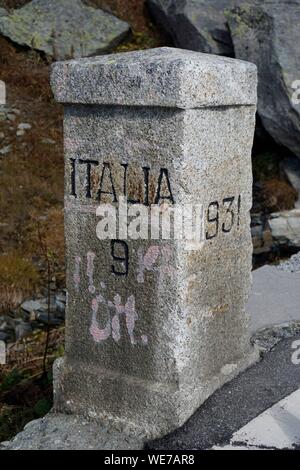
[(230, 211)]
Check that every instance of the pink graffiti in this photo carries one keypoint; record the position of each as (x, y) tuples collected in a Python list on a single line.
[(131, 317), (76, 276), (149, 260), (97, 333), (90, 270), (112, 327)]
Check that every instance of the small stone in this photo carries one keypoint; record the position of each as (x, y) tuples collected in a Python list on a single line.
[(24, 126), (2, 135), (60, 305), (43, 318), (48, 141), (20, 133), (11, 117), (22, 330), (3, 12), (292, 265), (4, 336), (5, 150), (31, 305), (285, 228), (61, 297)]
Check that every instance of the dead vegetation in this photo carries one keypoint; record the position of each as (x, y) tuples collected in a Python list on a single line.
[(25, 387)]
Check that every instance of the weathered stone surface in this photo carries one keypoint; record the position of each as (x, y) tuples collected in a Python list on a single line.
[(58, 431), (156, 77), (268, 34), (63, 28), (198, 25), (275, 296), (153, 328), (291, 265), (285, 227), (3, 12), (267, 338)]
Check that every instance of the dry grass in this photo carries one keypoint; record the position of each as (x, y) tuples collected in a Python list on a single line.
[(27, 353), (31, 176), (18, 278), (25, 388), (132, 11), (278, 195)]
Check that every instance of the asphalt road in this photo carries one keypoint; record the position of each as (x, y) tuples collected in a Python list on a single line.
[(237, 403)]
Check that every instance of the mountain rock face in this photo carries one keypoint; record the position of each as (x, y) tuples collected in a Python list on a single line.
[(63, 28), (268, 34), (199, 25)]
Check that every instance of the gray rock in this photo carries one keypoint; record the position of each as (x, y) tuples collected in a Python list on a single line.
[(24, 126), (198, 25), (31, 305), (61, 296), (148, 344), (42, 317), (60, 305), (3, 12), (267, 338), (4, 336), (48, 141), (5, 150), (22, 330), (291, 169), (65, 432), (285, 228), (63, 28), (275, 297), (292, 265), (269, 35)]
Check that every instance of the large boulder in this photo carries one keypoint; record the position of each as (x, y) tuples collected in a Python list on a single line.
[(268, 34), (198, 25), (63, 28)]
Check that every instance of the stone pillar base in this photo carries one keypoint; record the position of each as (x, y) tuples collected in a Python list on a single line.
[(141, 409)]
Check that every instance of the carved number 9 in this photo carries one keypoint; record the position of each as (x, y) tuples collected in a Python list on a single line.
[(121, 257), (213, 218)]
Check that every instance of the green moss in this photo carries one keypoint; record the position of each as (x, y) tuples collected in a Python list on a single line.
[(241, 19), (137, 41)]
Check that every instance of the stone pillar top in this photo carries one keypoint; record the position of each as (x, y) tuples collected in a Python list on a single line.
[(165, 77)]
